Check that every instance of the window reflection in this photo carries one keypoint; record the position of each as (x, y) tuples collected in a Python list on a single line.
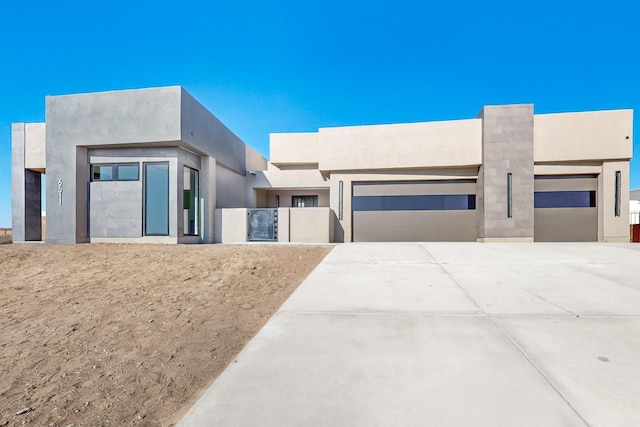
[(156, 199)]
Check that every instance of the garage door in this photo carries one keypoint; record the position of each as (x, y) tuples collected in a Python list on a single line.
[(565, 208), (414, 211)]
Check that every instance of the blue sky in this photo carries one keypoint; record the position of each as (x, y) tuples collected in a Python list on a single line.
[(289, 66)]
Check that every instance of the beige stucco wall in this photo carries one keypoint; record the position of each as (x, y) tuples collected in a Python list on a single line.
[(593, 135), (270, 200), (276, 178), (297, 225), (293, 148), (230, 188), (35, 155), (230, 225), (254, 161), (583, 168), (310, 225), (283, 225), (412, 145), (613, 228)]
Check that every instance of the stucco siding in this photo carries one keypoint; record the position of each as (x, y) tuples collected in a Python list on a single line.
[(230, 188), (35, 146), (115, 209), (203, 132), (592, 135), (117, 117), (412, 145), (294, 148)]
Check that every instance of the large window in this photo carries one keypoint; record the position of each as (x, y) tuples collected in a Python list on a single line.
[(115, 172), (564, 199), (429, 202), (190, 202), (156, 199)]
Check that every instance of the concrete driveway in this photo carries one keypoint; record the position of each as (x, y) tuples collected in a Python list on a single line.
[(445, 334)]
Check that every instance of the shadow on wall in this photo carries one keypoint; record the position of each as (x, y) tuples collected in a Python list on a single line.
[(338, 231)]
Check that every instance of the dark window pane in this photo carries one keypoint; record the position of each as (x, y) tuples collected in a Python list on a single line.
[(471, 201), (156, 206), (449, 202), (564, 199), (304, 201), (128, 172)]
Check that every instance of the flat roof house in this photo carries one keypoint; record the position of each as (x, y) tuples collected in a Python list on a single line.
[(153, 165)]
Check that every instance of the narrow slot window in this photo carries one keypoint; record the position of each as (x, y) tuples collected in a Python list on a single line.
[(191, 197), (564, 199), (618, 194), (340, 195), (509, 196), (428, 202)]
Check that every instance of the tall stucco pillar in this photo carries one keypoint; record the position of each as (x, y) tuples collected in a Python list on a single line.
[(505, 182), (613, 224), (17, 182), (208, 195), (26, 204)]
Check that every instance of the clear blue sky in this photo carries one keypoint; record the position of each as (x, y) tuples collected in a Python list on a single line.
[(289, 66)]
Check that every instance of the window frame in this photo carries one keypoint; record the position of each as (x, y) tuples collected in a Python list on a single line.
[(145, 192), (565, 199), (197, 202), (114, 172), (313, 197)]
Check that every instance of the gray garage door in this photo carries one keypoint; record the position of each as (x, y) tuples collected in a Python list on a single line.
[(565, 208), (414, 211)]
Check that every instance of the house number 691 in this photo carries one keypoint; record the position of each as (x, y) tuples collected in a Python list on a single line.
[(60, 185)]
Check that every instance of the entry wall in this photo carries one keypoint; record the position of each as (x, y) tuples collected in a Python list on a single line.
[(230, 225), (295, 225), (309, 225), (115, 208)]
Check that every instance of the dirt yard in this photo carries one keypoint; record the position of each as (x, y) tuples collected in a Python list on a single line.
[(111, 334)]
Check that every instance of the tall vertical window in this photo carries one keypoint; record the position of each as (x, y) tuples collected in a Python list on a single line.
[(618, 192), (190, 202), (340, 196), (509, 195), (156, 199)]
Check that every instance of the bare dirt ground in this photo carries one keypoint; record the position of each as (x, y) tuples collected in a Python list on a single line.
[(111, 334)]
